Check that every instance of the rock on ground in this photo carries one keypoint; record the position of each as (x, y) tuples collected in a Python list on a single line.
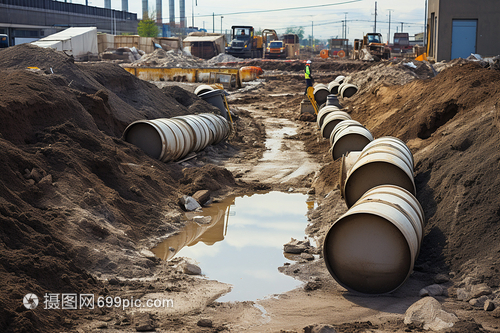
[(428, 313)]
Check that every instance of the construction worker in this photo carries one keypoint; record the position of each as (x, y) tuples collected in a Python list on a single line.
[(308, 75)]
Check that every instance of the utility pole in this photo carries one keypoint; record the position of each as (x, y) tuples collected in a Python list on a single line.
[(389, 33), (375, 25), (402, 26), (312, 33), (213, 22), (425, 25), (221, 17)]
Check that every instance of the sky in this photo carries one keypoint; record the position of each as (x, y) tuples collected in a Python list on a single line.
[(323, 22)]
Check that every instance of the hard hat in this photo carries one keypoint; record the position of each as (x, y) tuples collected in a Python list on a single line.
[(308, 61)]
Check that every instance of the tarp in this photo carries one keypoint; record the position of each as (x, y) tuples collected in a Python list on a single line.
[(76, 41)]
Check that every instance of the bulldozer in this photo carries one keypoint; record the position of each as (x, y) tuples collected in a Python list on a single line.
[(371, 47)]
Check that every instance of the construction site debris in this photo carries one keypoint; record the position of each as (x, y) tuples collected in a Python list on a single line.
[(172, 58)]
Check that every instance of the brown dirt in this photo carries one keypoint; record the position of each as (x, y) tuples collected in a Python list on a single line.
[(77, 202)]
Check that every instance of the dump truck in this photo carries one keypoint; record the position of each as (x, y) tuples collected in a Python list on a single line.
[(371, 47), (401, 43), (244, 43)]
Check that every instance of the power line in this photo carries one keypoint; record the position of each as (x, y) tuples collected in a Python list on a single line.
[(284, 9)]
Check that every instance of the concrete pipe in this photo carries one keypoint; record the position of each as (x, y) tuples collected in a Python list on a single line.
[(390, 141), (340, 79), (331, 120), (215, 98), (347, 161), (372, 248), (171, 139), (333, 87), (349, 138), (323, 112), (340, 126), (333, 100), (347, 90), (320, 93), (202, 88), (376, 167)]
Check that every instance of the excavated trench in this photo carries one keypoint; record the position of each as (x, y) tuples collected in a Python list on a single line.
[(239, 240)]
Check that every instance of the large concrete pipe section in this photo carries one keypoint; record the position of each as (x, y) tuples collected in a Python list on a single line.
[(333, 87), (320, 93), (347, 90), (340, 79), (202, 88), (331, 120), (323, 112), (169, 139), (347, 136), (333, 100), (346, 163), (372, 248), (379, 164), (215, 98)]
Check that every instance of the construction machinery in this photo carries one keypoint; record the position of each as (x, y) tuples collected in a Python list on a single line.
[(4, 41), (244, 43), (401, 43), (371, 47)]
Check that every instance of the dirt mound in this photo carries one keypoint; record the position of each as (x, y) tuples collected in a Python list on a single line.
[(390, 73), (108, 94), (451, 123), (77, 203)]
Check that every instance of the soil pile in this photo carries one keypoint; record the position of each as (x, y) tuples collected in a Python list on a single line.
[(222, 57), (451, 123), (77, 202), (103, 91), (390, 73)]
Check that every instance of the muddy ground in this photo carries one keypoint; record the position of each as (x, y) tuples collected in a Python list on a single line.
[(80, 208)]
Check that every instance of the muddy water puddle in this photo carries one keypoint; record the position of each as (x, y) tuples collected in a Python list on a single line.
[(240, 241)]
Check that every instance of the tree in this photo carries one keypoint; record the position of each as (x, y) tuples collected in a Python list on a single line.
[(147, 27), (299, 31)]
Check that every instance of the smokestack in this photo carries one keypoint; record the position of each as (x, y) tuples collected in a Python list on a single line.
[(107, 4), (182, 9), (145, 9), (159, 16), (124, 5), (171, 13)]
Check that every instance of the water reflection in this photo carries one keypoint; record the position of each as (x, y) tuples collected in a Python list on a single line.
[(254, 229)]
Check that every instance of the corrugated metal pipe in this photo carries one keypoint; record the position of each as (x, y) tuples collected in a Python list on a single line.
[(169, 139)]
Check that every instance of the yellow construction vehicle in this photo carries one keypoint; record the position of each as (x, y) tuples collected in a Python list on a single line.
[(244, 43), (371, 44)]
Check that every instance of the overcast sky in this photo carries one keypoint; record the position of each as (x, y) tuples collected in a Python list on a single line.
[(326, 19)]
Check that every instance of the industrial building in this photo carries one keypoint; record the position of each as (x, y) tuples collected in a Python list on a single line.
[(458, 28), (26, 21)]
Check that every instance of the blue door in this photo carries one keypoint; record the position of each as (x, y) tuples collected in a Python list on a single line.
[(463, 38)]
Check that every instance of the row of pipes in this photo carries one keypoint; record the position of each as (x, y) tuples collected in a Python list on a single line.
[(170, 139), (372, 248)]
